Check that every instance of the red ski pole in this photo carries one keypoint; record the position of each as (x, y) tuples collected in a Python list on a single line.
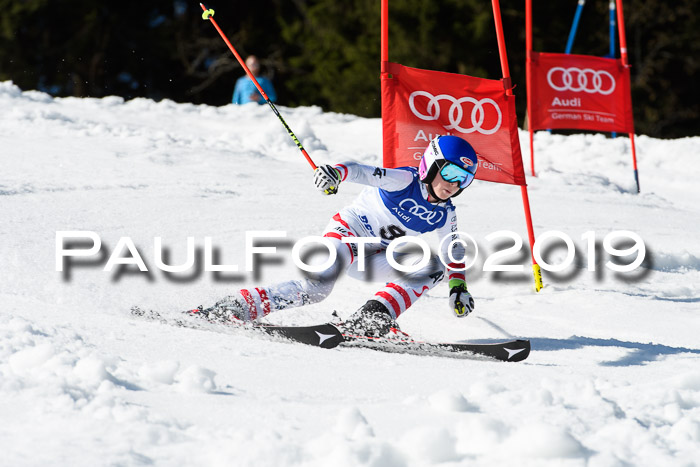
[(209, 14)]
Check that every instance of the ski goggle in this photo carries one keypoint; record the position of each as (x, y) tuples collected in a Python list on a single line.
[(453, 173)]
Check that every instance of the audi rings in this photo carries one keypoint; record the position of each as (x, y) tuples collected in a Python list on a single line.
[(456, 112), (415, 209), (587, 80)]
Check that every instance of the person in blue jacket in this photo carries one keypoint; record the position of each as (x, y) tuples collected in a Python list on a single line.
[(245, 90)]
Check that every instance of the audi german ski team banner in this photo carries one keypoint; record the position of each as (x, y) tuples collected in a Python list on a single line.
[(580, 92), (419, 104)]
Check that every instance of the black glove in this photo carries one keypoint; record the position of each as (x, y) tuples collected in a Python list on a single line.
[(327, 179)]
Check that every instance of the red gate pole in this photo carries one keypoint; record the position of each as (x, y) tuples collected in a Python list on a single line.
[(209, 15), (385, 34), (386, 81), (528, 71), (625, 62), (509, 92)]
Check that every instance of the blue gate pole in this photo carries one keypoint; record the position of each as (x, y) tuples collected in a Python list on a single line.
[(574, 26), (612, 39), (612, 29)]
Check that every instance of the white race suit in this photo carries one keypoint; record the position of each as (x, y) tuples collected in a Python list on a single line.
[(394, 204)]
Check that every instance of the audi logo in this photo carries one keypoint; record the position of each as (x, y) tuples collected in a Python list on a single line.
[(586, 80), (410, 205), (456, 112)]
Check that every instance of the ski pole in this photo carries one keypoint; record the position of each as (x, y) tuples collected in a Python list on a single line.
[(209, 15)]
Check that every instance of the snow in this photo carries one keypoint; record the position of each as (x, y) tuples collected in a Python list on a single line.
[(613, 378)]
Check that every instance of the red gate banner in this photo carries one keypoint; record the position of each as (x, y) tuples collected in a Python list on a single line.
[(580, 92), (418, 105)]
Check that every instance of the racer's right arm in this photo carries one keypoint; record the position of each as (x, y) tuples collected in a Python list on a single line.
[(386, 179), (327, 177)]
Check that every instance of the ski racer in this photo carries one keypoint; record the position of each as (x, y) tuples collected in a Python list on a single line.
[(396, 202)]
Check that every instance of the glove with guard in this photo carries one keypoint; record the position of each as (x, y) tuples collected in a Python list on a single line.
[(327, 179), (461, 301)]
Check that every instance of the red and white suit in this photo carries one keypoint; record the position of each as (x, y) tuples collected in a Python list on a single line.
[(394, 204)]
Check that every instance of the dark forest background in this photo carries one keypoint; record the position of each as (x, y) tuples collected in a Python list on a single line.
[(327, 52)]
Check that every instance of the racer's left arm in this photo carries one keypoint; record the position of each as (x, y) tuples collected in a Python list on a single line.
[(452, 251)]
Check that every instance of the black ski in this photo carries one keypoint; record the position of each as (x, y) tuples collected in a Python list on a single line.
[(328, 336), (182, 320), (509, 351), (325, 336)]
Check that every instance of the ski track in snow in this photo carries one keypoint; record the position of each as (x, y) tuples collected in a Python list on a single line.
[(613, 377)]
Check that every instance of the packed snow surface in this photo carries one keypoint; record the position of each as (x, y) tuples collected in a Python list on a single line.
[(613, 377)]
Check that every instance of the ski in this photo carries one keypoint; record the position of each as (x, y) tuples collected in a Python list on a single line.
[(397, 341), (325, 336), (508, 351), (183, 320), (330, 336)]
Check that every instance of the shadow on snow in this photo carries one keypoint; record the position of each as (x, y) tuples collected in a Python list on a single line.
[(640, 354)]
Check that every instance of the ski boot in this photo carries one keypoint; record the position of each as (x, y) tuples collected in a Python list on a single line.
[(230, 310), (371, 320)]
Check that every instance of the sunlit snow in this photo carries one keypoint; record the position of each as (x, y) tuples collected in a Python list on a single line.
[(613, 377)]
